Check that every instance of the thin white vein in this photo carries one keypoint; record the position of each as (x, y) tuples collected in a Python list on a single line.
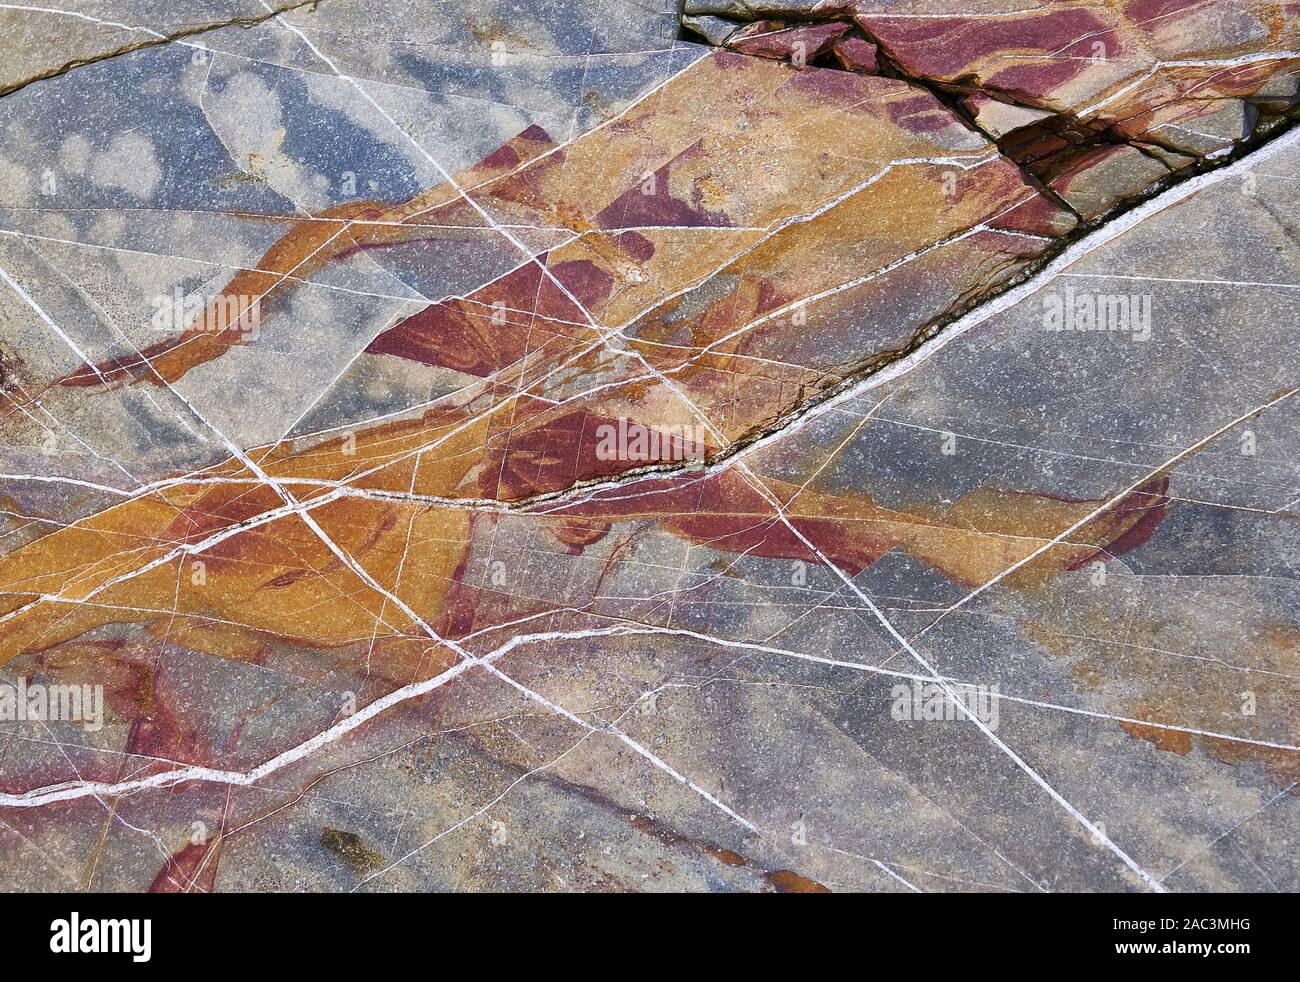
[(17, 288), (1180, 279), (1098, 833), (920, 356), (889, 872), (1239, 60), (1108, 504), (290, 502)]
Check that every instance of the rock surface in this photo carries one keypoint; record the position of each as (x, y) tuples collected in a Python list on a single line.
[(772, 447)]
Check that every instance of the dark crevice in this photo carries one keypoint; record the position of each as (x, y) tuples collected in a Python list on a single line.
[(153, 42), (1015, 146), (865, 368), (1077, 136), (951, 95), (1042, 149)]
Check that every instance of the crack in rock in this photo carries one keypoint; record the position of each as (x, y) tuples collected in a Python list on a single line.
[(1060, 152), (155, 41)]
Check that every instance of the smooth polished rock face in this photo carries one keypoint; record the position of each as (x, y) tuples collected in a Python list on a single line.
[(602, 446)]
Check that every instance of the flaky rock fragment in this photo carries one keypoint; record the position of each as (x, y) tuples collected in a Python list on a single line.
[(715, 30), (1221, 124), (1278, 94), (997, 118), (1092, 181), (800, 43), (856, 54)]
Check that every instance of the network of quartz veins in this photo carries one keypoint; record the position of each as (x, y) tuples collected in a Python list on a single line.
[(842, 446)]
